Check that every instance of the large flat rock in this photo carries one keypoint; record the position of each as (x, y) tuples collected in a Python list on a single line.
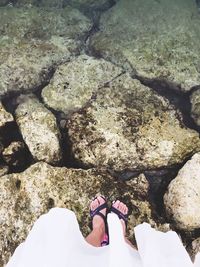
[(25, 196), (34, 41), (182, 199), (154, 39), (74, 83), (128, 126)]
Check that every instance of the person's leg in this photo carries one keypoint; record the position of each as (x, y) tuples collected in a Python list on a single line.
[(98, 225), (124, 210)]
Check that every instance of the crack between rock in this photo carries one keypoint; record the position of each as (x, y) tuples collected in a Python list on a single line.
[(95, 18)]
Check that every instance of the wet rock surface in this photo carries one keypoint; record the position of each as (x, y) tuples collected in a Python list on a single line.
[(33, 41), (75, 83), (153, 39), (93, 4), (194, 248), (15, 154), (80, 4), (5, 117), (195, 106), (182, 199), (3, 169), (41, 187), (3, 2), (39, 129), (128, 126)]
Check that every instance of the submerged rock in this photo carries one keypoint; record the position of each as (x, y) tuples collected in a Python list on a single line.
[(4, 2), (198, 3), (25, 196), (182, 199), (42, 3), (128, 126), (80, 4), (92, 4), (39, 130), (154, 39), (74, 83), (195, 106), (34, 41)]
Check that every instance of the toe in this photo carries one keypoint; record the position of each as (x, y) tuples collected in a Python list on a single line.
[(116, 204), (121, 207), (101, 200), (126, 210), (94, 204)]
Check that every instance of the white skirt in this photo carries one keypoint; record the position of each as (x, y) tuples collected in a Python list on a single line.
[(56, 241)]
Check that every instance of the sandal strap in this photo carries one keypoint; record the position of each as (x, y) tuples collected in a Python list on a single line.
[(97, 211), (120, 215)]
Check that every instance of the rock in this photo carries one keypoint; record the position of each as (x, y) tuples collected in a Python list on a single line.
[(34, 41), (182, 199), (26, 3), (141, 184), (153, 39), (5, 117), (3, 169), (42, 3), (15, 154), (74, 83), (80, 4), (39, 130), (194, 248), (93, 4), (128, 126), (4, 2), (195, 106), (51, 3), (25, 196), (32, 24)]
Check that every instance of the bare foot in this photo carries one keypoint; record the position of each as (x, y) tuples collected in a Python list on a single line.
[(98, 222), (98, 226), (124, 210)]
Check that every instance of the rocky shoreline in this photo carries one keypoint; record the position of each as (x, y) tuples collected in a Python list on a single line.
[(99, 96)]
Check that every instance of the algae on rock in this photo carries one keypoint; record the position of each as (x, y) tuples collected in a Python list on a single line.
[(129, 126), (76, 82)]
